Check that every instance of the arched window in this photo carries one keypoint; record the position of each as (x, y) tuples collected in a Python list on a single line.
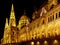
[(53, 17), (56, 15)]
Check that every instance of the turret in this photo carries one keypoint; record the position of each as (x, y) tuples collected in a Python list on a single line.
[(6, 29), (34, 15), (12, 21), (24, 20)]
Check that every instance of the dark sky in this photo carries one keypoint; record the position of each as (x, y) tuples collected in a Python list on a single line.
[(19, 6)]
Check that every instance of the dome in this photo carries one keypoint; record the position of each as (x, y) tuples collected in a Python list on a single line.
[(24, 17)]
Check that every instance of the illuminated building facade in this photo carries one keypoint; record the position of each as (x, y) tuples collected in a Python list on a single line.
[(44, 26)]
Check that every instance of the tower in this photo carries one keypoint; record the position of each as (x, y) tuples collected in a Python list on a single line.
[(6, 33), (24, 20), (12, 25), (12, 21), (6, 28)]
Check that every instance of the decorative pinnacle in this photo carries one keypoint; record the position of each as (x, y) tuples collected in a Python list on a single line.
[(12, 12), (12, 8), (6, 24), (24, 12)]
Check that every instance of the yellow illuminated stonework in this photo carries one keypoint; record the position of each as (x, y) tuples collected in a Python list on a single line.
[(43, 29)]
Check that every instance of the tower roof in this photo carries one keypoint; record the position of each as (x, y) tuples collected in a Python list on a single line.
[(12, 9), (24, 12), (23, 17), (12, 21), (12, 15)]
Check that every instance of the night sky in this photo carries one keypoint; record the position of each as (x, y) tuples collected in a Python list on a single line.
[(19, 6)]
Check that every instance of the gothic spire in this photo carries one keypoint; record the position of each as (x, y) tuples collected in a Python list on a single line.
[(24, 12), (12, 12), (12, 17)]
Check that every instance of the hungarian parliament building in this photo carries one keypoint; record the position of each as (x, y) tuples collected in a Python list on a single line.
[(43, 29)]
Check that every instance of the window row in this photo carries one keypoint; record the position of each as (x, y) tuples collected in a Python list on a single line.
[(51, 18), (36, 25)]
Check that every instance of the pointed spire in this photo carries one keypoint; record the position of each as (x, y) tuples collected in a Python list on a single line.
[(35, 9), (24, 12), (12, 21), (12, 9), (12, 12), (6, 24)]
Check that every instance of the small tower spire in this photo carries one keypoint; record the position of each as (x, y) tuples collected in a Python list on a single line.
[(24, 12), (35, 9), (6, 24), (5, 31), (12, 17), (12, 12)]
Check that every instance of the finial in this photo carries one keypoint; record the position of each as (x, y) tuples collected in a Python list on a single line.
[(12, 8), (35, 9), (12, 21), (24, 12), (12, 12), (6, 24)]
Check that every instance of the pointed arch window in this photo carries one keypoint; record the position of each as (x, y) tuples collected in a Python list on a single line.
[(53, 17)]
